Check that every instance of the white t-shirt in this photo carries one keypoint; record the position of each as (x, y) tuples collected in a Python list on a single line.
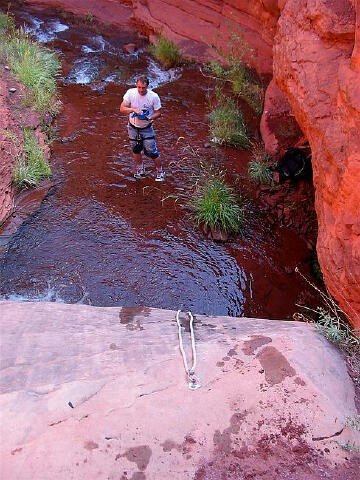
[(150, 101)]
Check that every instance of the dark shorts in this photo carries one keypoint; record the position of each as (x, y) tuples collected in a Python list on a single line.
[(148, 143)]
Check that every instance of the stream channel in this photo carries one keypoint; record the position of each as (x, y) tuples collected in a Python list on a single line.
[(102, 238)]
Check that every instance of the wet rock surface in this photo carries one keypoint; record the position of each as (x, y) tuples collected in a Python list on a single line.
[(74, 405)]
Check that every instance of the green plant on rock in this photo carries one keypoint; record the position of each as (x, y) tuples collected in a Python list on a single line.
[(227, 125), (259, 168), (36, 67), (333, 323), (349, 446), (166, 52), (331, 328), (233, 69), (7, 23), (215, 206), (89, 17), (32, 167), (353, 422), (260, 173)]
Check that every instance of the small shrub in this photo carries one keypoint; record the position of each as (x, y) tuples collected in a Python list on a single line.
[(260, 172), (349, 446), (36, 67), (353, 422), (32, 168), (89, 17), (7, 23), (49, 130), (259, 169), (333, 324), (333, 329), (227, 125), (243, 82), (215, 206), (166, 52)]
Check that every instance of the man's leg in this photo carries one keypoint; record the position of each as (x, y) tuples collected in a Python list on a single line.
[(151, 151), (158, 164), (136, 147), (139, 164)]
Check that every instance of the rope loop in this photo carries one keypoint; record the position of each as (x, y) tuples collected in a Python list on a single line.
[(194, 382)]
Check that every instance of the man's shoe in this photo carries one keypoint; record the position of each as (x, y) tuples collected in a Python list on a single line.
[(140, 173), (160, 176)]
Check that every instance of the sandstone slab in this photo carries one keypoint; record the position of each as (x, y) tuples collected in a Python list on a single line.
[(90, 392)]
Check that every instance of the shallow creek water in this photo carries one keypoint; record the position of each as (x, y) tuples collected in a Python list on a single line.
[(103, 238)]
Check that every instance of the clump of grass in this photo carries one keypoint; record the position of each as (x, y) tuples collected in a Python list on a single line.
[(353, 422), (333, 324), (227, 125), (349, 446), (166, 52), (7, 23), (89, 17), (260, 173), (32, 167), (35, 66), (259, 169), (215, 206), (243, 82)]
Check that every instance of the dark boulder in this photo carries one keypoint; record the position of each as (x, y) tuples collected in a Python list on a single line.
[(294, 165)]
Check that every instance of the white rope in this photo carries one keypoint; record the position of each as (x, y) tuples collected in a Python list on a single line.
[(190, 372)]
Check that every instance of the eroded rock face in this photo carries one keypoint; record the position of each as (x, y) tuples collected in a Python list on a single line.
[(316, 64), (278, 126), (210, 22), (93, 392), (8, 147)]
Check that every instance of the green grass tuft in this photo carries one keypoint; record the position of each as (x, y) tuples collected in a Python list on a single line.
[(32, 168), (353, 422), (259, 165), (215, 206), (227, 125), (334, 330), (7, 23), (260, 172), (166, 52), (243, 82), (36, 67)]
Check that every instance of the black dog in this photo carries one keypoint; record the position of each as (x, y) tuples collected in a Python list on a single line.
[(295, 164)]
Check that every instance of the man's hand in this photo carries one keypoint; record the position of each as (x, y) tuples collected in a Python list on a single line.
[(125, 108)]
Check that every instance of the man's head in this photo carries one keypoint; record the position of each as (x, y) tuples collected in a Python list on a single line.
[(142, 83)]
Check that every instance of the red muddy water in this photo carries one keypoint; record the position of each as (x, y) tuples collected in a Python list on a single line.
[(101, 237)]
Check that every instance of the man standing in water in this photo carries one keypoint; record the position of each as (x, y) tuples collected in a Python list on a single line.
[(143, 106)]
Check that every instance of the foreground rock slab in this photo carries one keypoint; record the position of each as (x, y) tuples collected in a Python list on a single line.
[(101, 393)]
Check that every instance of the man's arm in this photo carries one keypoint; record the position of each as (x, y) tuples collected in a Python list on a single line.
[(125, 108), (155, 115)]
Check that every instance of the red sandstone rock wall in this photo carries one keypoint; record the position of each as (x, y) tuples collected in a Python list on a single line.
[(210, 22), (316, 64), (8, 150)]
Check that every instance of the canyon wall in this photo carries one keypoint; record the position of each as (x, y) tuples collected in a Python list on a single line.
[(317, 65), (8, 147)]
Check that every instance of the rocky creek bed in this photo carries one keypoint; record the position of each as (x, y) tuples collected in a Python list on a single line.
[(102, 238)]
